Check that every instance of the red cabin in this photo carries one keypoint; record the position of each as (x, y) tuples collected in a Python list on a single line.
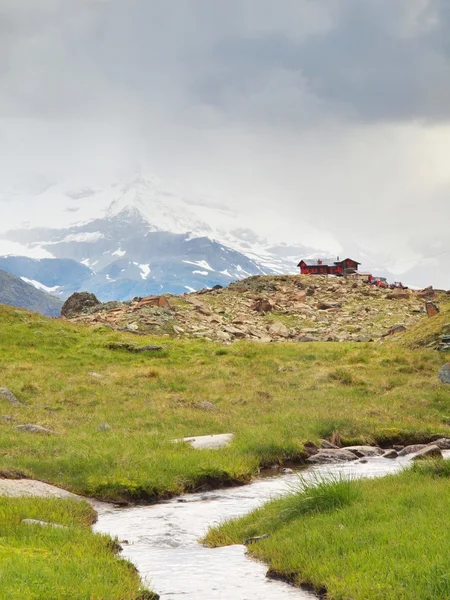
[(328, 266)]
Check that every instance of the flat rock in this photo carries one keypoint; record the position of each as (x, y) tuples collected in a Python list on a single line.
[(442, 443), (34, 429), (364, 451), (208, 442), (325, 444), (208, 406), (31, 487), (331, 456), (279, 329), (43, 523), (430, 451), (6, 394), (444, 373)]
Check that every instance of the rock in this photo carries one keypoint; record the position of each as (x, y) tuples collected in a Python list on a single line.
[(328, 305), (132, 326), (442, 443), (208, 442), (390, 454), (96, 375), (257, 538), (234, 331), (42, 523), (412, 449), (398, 296), (328, 445), (426, 293), (278, 329), (6, 394), (364, 451), (104, 427), (431, 308), (34, 429), (430, 451), (394, 330), (223, 336), (331, 456), (131, 348), (262, 305), (8, 418), (444, 373), (208, 406), (79, 302)]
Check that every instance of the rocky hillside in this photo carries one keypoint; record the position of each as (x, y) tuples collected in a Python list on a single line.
[(15, 292), (272, 308)]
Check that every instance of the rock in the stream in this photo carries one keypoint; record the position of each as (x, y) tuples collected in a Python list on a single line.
[(364, 451), (390, 454), (331, 456), (43, 523), (208, 442), (34, 429), (444, 373), (430, 451), (412, 449), (6, 394), (442, 443)]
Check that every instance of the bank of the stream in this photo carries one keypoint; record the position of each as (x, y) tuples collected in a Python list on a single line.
[(357, 540), (112, 415), (48, 550)]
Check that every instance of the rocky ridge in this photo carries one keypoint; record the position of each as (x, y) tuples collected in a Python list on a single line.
[(271, 308)]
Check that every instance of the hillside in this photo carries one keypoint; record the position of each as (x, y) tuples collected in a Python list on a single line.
[(273, 308), (15, 292)]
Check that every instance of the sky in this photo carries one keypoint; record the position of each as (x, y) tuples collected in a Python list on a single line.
[(324, 121)]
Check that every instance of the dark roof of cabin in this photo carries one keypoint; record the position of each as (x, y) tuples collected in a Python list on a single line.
[(325, 262)]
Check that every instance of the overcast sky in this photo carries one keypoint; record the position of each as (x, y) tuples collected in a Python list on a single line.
[(331, 112)]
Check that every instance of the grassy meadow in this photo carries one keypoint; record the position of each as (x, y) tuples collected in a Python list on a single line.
[(60, 563), (382, 539), (273, 397)]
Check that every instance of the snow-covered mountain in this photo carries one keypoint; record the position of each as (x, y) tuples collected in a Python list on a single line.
[(133, 238)]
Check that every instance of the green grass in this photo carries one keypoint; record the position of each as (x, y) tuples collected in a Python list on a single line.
[(59, 563), (383, 539), (428, 330), (273, 397)]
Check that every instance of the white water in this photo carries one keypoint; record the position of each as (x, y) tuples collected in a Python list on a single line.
[(163, 538)]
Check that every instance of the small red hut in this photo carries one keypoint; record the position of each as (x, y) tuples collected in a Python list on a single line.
[(328, 266)]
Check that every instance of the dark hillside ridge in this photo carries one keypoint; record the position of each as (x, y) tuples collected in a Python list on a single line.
[(15, 292)]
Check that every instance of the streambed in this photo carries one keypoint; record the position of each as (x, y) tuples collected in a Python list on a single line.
[(163, 538)]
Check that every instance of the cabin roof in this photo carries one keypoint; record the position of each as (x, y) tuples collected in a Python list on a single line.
[(325, 262)]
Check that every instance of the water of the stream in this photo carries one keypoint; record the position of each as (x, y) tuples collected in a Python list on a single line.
[(163, 538)]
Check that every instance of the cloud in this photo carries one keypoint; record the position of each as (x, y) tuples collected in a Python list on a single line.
[(332, 113)]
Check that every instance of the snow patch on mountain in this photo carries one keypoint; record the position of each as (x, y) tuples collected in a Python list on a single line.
[(40, 286)]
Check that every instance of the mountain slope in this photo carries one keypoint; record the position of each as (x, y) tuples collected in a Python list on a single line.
[(15, 292)]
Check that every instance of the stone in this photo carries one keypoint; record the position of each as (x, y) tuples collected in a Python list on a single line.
[(43, 523), (79, 302), (430, 451), (394, 330), (364, 451), (234, 331), (426, 293), (223, 336), (390, 454), (444, 373), (431, 308), (131, 348), (328, 445), (208, 406), (412, 449), (132, 326), (328, 305), (442, 443), (104, 427), (262, 305), (208, 442), (34, 429), (331, 456), (6, 394), (96, 375), (398, 296), (278, 329)]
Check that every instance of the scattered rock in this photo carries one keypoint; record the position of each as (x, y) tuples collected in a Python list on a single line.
[(328, 305), (364, 451), (430, 451), (431, 308), (208, 442), (257, 538), (104, 427), (278, 329), (34, 429), (208, 406), (394, 330), (398, 296), (6, 394), (262, 305), (444, 373), (131, 348), (43, 523), (390, 454), (78, 303), (331, 456), (412, 449)]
